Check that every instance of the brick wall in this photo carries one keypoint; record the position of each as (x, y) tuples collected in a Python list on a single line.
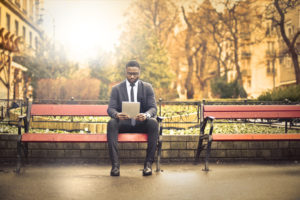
[(175, 148)]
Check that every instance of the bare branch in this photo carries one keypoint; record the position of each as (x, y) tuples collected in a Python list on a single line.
[(186, 19), (295, 38)]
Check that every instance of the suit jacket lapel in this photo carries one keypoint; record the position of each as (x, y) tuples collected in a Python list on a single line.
[(124, 91), (140, 91)]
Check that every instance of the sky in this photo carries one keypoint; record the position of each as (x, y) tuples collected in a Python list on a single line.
[(84, 27)]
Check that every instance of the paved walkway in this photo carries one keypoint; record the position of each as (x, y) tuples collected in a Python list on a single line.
[(177, 181)]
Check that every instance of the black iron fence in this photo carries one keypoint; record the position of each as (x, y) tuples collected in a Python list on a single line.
[(177, 114), (9, 104)]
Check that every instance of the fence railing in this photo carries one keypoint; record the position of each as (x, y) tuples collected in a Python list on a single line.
[(8, 104), (176, 114)]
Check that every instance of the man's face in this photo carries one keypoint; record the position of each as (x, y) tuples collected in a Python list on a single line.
[(132, 74)]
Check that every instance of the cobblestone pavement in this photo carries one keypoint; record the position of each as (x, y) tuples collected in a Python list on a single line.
[(177, 181)]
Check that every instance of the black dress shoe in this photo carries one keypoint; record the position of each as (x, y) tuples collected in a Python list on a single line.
[(147, 169), (115, 171)]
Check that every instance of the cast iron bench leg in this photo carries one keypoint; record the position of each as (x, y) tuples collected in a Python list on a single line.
[(201, 137), (19, 154), (158, 156), (199, 149), (208, 148), (19, 146), (159, 144)]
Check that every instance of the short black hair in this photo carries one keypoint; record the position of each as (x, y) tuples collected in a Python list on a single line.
[(133, 63)]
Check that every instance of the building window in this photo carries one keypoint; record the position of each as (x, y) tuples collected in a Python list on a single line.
[(268, 67), (290, 32), (30, 39), (36, 43), (18, 3), (24, 33), (8, 22), (17, 27), (289, 28), (25, 6), (31, 8)]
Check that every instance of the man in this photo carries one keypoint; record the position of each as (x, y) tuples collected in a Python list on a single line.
[(135, 90)]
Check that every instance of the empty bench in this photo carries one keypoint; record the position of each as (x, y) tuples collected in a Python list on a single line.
[(34, 110), (284, 113)]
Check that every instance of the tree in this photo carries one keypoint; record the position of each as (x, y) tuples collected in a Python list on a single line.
[(101, 69), (230, 21), (215, 28), (161, 16), (189, 56), (46, 63), (277, 12), (239, 19), (199, 47), (145, 39)]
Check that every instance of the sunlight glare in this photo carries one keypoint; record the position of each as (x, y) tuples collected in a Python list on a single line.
[(87, 26)]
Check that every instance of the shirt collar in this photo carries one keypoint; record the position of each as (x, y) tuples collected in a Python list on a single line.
[(128, 83)]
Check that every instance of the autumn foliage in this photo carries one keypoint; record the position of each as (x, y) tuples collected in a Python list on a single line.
[(62, 88)]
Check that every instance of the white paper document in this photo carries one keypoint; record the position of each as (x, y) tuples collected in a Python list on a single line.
[(131, 108)]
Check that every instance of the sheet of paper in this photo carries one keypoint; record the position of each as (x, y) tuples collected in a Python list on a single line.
[(131, 108)]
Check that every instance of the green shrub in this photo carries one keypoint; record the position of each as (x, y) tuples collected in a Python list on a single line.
[(291, 93), (222, 89)]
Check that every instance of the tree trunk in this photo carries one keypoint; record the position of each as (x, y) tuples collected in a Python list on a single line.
[(188, 81), (236, 61), (296, 66), (236, 51), (189, 54), (290, 45)]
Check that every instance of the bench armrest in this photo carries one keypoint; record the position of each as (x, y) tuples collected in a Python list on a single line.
[(24, 119), (203, 125), (159, 119), (20, 124)]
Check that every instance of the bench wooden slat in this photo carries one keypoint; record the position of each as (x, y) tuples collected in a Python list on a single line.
[(252, 137), (43, 137), (252, 112), (68, 110), (252, 108), (252, 115)]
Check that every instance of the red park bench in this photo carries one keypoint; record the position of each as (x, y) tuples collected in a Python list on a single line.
[(71, 110), (244, 112)]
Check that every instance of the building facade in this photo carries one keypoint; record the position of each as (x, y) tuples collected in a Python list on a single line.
[(271, 65), (18, 18), (264, 60)]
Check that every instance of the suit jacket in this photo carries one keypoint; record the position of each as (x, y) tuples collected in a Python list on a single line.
[(145, 96)]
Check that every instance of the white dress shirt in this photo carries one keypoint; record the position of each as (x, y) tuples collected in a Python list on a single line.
[(135, 90)]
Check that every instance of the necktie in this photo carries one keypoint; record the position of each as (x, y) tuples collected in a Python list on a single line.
[(132, 100), (131, 92)]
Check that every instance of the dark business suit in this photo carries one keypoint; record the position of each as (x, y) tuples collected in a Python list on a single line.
[(145, 96)]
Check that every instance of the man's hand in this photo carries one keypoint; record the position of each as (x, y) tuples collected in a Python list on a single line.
[(141, 117), (122, 116)]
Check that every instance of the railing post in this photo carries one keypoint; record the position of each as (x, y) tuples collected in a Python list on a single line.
[(21, 105), (202, 110), (198, 111), (160, 102)]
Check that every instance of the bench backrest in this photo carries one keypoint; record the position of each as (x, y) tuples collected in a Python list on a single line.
[(68, 110), (252, 111)]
